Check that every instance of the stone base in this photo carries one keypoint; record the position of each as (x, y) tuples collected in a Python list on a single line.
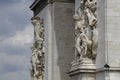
[(110, 73), (84, 70)]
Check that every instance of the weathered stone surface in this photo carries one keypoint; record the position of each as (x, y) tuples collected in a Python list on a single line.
[(63, 0), (109, 48), (113, 31), (83, 71), (63, 39), (59, 39)]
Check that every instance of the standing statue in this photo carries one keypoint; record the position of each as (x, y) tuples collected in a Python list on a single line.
[(37, 59), (86, 33), (38, 28)]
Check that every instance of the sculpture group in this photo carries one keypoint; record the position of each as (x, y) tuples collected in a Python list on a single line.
[(86, 33), (37, 59)]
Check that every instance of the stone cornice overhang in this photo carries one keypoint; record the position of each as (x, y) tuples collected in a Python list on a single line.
[(38, 5)]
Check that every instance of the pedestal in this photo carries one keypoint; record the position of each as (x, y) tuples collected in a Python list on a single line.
[(84, 70)]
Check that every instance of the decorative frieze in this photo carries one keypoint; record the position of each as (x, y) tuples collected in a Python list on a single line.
[(37, 59), (86, 33)]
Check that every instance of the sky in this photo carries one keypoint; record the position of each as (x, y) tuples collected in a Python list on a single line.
[(16, 38)]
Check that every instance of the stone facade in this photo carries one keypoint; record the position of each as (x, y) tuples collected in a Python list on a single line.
[(59, 39), (67, 54)]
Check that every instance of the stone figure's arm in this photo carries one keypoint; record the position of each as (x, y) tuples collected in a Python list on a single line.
[(78, 45), (95, 40), (86, 39)]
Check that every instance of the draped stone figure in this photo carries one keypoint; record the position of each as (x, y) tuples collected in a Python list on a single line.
[(38, 28), (86, 33), (37, 59)]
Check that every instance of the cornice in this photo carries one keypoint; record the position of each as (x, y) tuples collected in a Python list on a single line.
[(38, 5)]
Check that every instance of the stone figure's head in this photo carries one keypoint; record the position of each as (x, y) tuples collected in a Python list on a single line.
[(91, 4), (35, 21)]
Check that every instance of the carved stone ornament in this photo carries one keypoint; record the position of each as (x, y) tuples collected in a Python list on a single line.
[(86, 33), (37, 59)]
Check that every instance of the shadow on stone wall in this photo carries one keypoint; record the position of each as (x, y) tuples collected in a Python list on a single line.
[(65, 38)]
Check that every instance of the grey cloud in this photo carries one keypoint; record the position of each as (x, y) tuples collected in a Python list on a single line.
[(19, 43), (6, 2), (14, 16), (13, 63), (14, 47), (18, 75)]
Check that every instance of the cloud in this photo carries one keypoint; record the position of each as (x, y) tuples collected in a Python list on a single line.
[(21, 38), (13, 63), (16, 37), (19, 75), (14, 16), (16, 65), (18, 43), (2, 2)]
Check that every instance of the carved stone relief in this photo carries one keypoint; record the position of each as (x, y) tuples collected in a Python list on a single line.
[(37, 59), (86, 33)]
